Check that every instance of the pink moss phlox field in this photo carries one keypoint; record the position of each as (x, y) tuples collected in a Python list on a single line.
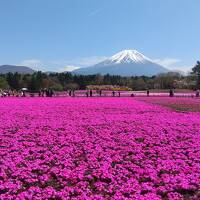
[(177, 103), (98, 148)]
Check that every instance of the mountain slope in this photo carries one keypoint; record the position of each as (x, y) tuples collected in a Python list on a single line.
[(12, 68), (125, 63)]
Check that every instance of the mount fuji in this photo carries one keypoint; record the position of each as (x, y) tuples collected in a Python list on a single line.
[(125, 63)]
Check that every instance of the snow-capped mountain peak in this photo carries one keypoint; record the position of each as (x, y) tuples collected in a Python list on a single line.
[(128, 56), (125, 63)]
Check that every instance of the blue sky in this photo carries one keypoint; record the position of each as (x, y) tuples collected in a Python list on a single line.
[(60, 34)]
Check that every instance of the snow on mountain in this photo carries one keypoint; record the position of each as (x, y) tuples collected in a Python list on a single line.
[(125, 63), (128, 56)]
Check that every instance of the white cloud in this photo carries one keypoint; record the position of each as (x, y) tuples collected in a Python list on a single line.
[(70, 65), (62, 65), (173, 64), (167, 62), (68, 68), (89, 61), (186, 69), (33, 63), (78, 62)]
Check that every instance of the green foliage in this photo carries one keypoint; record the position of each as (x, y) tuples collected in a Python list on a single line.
[(67, 81), (196, 71), (196, 68), (14, 80), (3, 83)]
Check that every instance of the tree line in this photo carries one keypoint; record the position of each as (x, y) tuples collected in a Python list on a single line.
[(68, 81)]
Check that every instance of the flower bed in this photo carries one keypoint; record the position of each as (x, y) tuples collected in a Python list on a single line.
[(98, 148), (176, 103)]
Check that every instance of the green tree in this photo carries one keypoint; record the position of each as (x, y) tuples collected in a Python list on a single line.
[(196, 68), (3, 83), (196, 71), (14, 80)]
